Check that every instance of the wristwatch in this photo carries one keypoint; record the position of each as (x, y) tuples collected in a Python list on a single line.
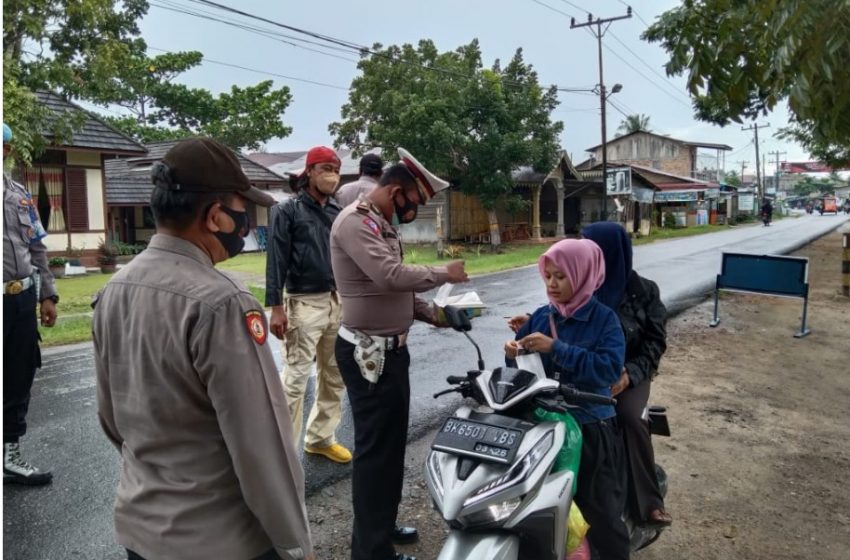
[(54, 299)]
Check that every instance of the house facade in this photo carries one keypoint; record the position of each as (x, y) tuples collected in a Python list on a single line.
[(128, 193), (68, 180)]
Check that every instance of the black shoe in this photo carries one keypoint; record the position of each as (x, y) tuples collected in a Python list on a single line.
[(18, 471), (400, 556), (405, 535)]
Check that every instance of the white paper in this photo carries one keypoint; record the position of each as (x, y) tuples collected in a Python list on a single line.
[(465, 301), (531, 362)]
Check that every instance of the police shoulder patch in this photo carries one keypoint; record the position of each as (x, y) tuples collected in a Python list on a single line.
[(256, 323), (373, 225)]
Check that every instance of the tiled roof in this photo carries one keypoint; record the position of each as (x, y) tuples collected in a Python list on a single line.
[(128, 180), (94, 134), (255, 172), (269, 159)]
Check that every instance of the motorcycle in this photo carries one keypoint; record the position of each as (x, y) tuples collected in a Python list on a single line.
[(490, 470)]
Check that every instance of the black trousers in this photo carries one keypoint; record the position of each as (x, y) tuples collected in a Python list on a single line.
[(601, 492), (21, 357), (380, 414), (270, 555), (644, 495)]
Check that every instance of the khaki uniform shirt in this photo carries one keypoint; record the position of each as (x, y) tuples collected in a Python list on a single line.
[(20, 256), (376, 288), (189, 393), (350, 192)]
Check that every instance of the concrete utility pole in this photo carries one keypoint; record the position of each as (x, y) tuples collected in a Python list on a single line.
[(777, 153), (599, 33), (755, 128)]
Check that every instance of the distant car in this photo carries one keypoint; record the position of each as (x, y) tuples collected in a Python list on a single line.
[(829, 205)]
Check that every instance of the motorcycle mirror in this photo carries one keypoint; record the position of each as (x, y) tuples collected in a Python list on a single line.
[(457, 318)]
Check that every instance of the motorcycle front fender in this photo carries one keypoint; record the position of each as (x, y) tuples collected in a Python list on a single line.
[(480, 546)]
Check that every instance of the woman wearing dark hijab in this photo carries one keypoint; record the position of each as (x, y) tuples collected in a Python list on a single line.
[(643, 316)]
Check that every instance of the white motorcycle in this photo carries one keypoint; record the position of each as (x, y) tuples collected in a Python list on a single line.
[(490, 474)]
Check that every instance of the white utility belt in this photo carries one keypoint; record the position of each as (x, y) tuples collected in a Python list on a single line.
[(386, 342), (16, 287)]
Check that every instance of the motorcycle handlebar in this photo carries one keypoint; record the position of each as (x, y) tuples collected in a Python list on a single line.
[(455, 379), (576, 395)]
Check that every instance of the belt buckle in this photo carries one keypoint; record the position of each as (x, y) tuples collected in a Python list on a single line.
[(14, 287)]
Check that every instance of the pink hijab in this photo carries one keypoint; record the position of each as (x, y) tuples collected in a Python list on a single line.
[(582, 263)]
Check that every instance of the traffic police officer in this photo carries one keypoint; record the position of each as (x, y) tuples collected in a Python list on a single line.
[(26, 281), (378, 308), (187, 388)]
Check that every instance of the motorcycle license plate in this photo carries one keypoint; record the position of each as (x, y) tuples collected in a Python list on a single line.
[(486, 442)]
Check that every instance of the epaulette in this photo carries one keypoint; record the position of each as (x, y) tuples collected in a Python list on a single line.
[(363, 207)]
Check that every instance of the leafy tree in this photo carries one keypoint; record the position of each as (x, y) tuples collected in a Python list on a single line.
[(472, 124), (92, 50), (634, 123), (744, 57), (732, 178), (810, 185)]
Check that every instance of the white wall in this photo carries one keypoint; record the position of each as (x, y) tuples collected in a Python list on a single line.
[(94, 190)]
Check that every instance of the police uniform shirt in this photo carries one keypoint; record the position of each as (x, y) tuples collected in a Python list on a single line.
[(21, 257), (189, 393), (376, 288)]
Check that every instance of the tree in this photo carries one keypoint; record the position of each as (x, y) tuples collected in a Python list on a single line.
[(92, 50), (471, 124), (732, 178), (633, 123), (810, 185), (742, 58)]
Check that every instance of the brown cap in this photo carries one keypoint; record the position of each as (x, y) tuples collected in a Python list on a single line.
[(205, 165)]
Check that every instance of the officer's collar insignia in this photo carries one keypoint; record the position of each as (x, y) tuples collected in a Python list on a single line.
[(373, 225), (256, 323)]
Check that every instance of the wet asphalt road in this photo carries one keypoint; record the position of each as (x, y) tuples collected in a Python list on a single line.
[(72, 518)]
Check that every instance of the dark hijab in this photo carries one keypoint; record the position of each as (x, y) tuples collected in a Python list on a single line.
[(617, 249)]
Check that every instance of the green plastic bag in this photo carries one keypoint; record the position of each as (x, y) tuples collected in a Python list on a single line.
[(569, 455)]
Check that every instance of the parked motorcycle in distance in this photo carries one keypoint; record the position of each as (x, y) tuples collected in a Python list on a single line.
[(490, 471)]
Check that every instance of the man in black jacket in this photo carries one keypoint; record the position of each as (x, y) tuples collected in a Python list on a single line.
[(308, 318)]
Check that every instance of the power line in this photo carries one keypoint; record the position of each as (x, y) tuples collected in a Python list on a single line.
[(647, 78), (266, 72), (636, 13), (664, 79)]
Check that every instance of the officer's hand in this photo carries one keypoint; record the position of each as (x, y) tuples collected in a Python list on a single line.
[(517, 321), (48, 313), (279, 322), (512, 349), (456, 272)]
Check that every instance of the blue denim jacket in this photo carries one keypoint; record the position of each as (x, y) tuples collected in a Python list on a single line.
[(588, 354)]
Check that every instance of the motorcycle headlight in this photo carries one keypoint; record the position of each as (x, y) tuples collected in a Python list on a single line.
[(516, 474), (492, 514), (435, 471)]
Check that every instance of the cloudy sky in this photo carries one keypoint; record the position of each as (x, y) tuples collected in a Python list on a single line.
[(563, 56)]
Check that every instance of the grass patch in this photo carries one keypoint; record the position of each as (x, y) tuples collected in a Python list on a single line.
[(253, 263), (479, 259), (76, 292), (68, 330)]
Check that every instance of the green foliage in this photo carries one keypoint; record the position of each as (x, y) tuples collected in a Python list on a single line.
[(732, 178), (811, 185), (125, 249), (57, 261), (92, 50), (107, 253), (471, 124), (669, 220), (634, 123), (742, 58)]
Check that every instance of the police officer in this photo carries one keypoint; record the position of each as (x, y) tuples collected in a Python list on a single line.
[(187, 388), (24, 273), (371, 168), (378, 308)]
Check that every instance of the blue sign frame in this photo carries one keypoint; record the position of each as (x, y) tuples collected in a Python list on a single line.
[(764, 274)]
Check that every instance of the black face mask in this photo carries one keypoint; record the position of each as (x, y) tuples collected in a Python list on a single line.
[(233, 242), (409, 206)]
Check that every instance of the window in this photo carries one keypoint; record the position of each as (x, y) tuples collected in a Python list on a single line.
[(57, 190)]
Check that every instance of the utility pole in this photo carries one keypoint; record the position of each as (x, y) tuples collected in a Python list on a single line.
[(755, 128), (777, 153), (599, 33)]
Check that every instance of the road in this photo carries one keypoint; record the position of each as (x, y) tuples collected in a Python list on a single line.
[(72, 518)]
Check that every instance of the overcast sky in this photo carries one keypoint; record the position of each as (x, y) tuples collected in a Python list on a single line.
[(563, 56)]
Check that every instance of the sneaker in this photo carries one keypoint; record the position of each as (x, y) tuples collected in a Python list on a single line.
[(18, 471), (335, 452)]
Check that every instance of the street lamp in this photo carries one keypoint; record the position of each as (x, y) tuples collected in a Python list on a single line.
[(603, 98)]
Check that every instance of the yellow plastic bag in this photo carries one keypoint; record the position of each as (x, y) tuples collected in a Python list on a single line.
[(576, 528)]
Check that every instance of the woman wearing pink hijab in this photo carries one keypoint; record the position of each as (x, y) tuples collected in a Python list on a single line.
[(581, 343)]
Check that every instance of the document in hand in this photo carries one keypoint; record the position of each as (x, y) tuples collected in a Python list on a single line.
[(468, 301)]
